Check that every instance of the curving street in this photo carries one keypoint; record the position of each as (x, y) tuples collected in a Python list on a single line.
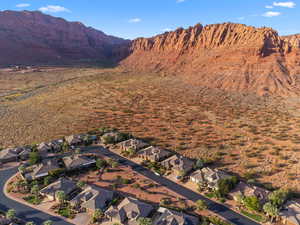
[(23, 211)]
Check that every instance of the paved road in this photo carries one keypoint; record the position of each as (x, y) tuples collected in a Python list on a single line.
[(217, 208), (23, 211)]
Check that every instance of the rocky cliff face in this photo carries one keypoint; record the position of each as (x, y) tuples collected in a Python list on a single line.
[(230, 56), (32, 37)]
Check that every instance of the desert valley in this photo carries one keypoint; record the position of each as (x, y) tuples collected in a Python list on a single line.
[(223, 95)]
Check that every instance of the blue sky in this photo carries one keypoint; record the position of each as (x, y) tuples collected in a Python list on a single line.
[(145, 18)]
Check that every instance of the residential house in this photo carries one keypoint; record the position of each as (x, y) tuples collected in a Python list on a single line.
[(62, 184), (41, 170), (134, 144), (9, 155), (208, 176), (78, 162), (291, 213), (129, 211), (171, 217), (154, 154), (43, 148), (56, 145), (244, 189), (92, 198), (179, 164), (24, 153), (74, 140)]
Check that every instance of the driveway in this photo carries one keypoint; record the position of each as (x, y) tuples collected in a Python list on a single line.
[(23, 212), (215, 207)]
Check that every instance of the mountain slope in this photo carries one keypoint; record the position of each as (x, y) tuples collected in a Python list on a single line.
[(229, 56), (32, 37)]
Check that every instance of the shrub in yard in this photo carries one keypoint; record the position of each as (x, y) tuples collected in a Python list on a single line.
[(252, 203)]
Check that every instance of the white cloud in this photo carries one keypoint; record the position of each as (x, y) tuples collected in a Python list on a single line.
[(241, 18), (180, 1), (135, 20), (167, 30), (53, 9), (269, 7), (285, 4), (23, 5), (271, 14)]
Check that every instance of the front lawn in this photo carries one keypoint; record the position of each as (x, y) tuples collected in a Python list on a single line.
[(34, 200), (256, 217)]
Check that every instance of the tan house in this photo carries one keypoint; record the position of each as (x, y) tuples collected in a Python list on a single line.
[(78, 162), (8, 155), (247, 190), (134, 144), (290, 214), (208, 176), (62, 184), (92, 198), (179, 164), (129, 211), (74, 139), (171, 217), (41, 170), (154, 154)]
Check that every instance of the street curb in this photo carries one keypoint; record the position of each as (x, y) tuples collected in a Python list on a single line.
[(23, 202)]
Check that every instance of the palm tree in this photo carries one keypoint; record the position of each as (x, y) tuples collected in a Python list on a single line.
[(48, 222), (201, 205), (61, 196), (144, 221), (98, 214), (30, 223), (271, 210), (11, 214)]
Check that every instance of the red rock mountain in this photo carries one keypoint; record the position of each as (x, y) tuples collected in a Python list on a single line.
[(229, 56), (35, 38)]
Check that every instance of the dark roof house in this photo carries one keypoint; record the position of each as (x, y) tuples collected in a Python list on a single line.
[(129, 210), (154, 154), (178, 163), (93, 197), (62, 184), (77, 161), (171, 217), (133, 144), (41, 170)]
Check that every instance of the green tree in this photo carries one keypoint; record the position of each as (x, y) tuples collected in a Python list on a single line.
[(30, 223), (98, 214), (34, 158), (35, 190), (144, 221), (100, 163), (47, 180), (226, 185), (61, 196), (278, 197), (22, 168), (80, 184), (131, 152), (271, 210), (11, 214), (199, 164), (48, 222), (252, 203), (201, 205), (114, 164)]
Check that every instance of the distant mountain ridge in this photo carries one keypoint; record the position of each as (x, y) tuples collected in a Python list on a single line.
[(229, 56), (31, 37)]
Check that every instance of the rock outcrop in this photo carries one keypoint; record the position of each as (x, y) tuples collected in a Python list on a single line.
[(35, 38), (229, 56)]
